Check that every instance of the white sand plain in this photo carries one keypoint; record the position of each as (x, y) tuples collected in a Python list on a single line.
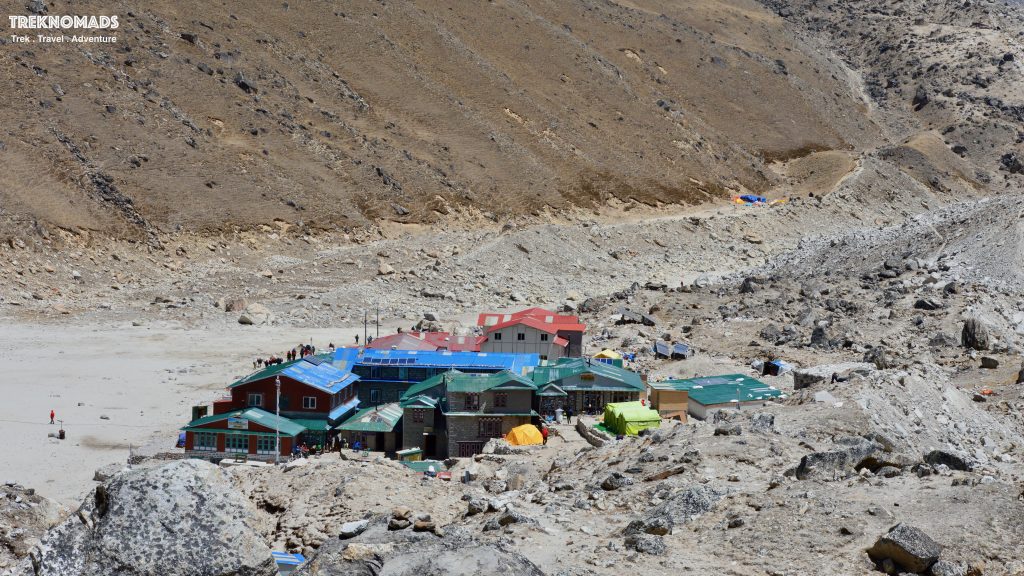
[(143, 378)]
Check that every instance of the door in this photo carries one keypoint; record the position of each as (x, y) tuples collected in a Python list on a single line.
[(429, 446), (592, 402)]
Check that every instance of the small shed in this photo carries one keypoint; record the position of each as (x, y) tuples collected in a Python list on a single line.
[(669, 400), (728, 391), (609, 356)]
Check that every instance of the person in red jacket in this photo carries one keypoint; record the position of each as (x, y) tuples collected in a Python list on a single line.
[(544, 433)]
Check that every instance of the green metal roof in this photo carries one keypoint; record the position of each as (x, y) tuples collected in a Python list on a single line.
[(419, 401), (569, 367), (313, 424), (710, 390), (481, 382), (381, 418), (455, 381), (255, 415), (551, 389)]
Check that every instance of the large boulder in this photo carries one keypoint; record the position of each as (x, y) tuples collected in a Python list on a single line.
[(185, 518), (839, 462), (675, 511), (975, 334), (25, 516), (909, 548), (255, 314), (954, 460)]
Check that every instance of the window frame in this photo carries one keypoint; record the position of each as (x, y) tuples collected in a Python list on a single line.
[(489, 427), (418, 415), (497, 336), (197, 445), (249, 398), (231, 439), (471, 401), (501, 399), (307, 405), (544, 337), (262, 441), (520, 336)]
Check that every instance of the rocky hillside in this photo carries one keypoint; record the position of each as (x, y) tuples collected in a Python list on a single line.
[(328, 116)]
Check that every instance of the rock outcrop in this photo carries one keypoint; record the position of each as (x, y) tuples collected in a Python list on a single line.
[(185, 518)]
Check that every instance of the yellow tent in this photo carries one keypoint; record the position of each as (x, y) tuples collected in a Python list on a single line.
[(610, 354), (524, 435)]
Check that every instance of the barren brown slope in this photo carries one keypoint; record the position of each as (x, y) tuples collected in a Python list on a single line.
[(205, 117)]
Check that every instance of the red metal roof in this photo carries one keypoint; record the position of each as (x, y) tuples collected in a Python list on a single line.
[(562, 342), (445, 340), (538, 318), (540, 324), (430, 341)]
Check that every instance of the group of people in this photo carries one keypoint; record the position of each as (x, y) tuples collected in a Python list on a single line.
[(303, 451), (267, 362), (300, 351)]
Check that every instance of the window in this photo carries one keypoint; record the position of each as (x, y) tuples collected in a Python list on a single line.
[(543, 337), (266, 445), (256, 399), (417, 416), (374, 396), (497, 336), (204, 441), (490, 427), (284, 402), (623, 396), (236, 443), (309, 402), (472, 402), (500, 399), (521, 336)]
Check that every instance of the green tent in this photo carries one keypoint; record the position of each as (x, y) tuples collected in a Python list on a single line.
[(629, 418)]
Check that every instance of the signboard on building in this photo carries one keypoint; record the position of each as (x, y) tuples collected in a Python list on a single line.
[(238, 424)]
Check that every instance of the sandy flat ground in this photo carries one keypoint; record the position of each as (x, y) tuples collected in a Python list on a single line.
[(143, 378)]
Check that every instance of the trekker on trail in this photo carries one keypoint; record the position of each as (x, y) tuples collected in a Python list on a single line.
[(568, 415), (52, 416), (544, 433)]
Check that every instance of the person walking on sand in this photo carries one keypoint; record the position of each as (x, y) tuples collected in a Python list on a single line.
[(544, 434), (52, 416)]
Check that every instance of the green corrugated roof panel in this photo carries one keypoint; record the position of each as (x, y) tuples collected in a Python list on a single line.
[(382, 418), (551, 389), (419, 401), (569, 367), (722, 389), (255, 415), (460, 382), (313, 424)]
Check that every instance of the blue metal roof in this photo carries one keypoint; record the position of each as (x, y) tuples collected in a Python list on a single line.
[(321, 375), (286, 559), (346, 358), (343, 409)]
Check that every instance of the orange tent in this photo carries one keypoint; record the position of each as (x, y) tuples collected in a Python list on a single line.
[(524, 435)]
